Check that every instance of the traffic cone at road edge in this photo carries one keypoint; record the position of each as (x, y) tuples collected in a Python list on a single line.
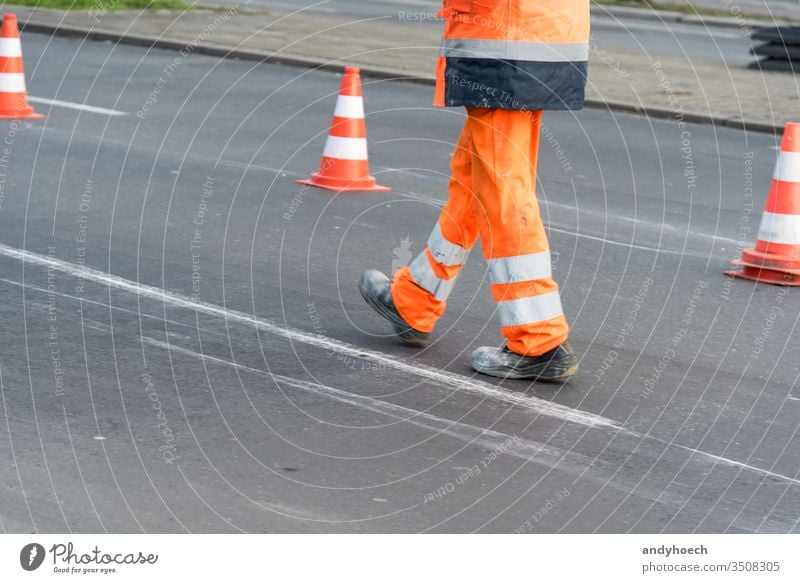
[(776, 256), (344, 166), (13, 95)]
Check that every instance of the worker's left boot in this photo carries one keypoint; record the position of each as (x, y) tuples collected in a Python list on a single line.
[(556, 365), (375, 287)]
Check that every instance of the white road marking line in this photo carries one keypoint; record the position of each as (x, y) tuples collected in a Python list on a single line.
[(738, 464), (100, 325), (432, 374), (467, 433), (533, 451), (78, 106), (549, 226), (549, 456), (605, 215), (451, 379), (567, 461), (207, 159)]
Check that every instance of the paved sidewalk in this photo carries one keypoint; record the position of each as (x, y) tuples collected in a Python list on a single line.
[(664, 86)]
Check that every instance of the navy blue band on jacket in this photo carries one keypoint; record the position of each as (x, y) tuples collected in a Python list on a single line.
[(509, 84)]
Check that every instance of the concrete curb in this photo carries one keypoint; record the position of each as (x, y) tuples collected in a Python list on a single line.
[(370, 71), (622, 12)]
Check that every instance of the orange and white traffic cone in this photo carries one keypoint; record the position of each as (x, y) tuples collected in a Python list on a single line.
[(13, 95), (776, 256), (344, 166)]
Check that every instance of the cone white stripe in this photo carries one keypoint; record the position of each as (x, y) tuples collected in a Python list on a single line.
[(346, 148), (12, 83), (351, 106), (530, 310), (10, 47), (787, 168), (779, 228), (520, 268), (444, 251), (423, 275)]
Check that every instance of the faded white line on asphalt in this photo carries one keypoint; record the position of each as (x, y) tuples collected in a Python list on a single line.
[(458, 381), (610, 216), (550, 227), (549, 456), (532, 451), (77, 106), (467, 433), (105, 327), (444, 377), (738, 464)]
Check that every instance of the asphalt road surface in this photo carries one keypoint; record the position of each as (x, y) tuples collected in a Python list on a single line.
[(185, 348), (726, 45)]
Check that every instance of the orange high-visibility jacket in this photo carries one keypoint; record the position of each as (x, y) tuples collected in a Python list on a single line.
[(513, 54)]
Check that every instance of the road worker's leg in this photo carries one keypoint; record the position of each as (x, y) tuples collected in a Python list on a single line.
[(420, 289), (513, 237)]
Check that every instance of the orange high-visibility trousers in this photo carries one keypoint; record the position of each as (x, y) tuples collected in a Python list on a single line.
[(492, 194)]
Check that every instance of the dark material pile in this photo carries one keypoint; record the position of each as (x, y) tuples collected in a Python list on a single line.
[(780, 50)]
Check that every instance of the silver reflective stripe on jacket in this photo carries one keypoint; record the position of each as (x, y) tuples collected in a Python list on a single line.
[(514, 50)]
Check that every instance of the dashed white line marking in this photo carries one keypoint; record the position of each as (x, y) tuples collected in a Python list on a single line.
[(77, 106)]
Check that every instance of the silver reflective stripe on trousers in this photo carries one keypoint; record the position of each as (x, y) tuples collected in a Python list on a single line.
[(425, 278), (520, 268), (530, 310), (444, 251), (514, 50)]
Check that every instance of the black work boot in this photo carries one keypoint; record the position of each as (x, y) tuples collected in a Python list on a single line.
[(556, 365), (375, 288)]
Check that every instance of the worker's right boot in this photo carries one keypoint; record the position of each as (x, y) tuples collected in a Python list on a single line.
[(375, 287), (556, 365)]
